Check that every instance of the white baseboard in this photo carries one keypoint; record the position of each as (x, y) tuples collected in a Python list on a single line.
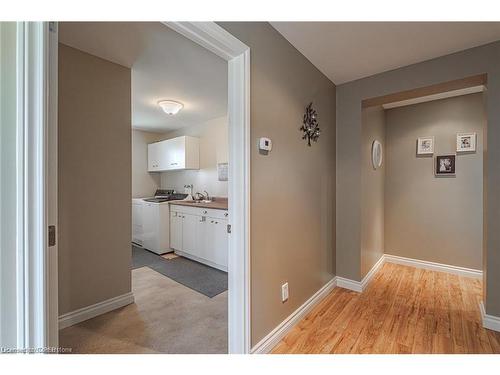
[(353, 285), (489, 321), (461, 271), (274, 337), (372, 272), (359, 286), (89, 312)]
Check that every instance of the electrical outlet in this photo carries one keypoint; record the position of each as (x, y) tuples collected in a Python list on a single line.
[(284, 292)]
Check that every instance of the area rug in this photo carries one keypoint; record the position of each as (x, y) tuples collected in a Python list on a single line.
[(194, 275)]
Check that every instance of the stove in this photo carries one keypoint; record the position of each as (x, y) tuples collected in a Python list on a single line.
[(165, 195)]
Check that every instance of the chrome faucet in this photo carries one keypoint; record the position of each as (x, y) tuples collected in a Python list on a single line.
[(190, 187), (200, 196)]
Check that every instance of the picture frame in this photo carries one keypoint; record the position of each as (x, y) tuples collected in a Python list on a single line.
[(466, 142), (425, 146), (222, 171), (445, 165)]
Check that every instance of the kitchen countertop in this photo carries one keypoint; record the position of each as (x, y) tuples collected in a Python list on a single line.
[(216, 204)]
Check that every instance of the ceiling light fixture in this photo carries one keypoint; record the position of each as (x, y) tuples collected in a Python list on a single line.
[(170, 107)]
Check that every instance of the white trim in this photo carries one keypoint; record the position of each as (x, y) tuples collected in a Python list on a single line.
[(276, 335), (89, 312), (441, 95), (353, 285), (369, 276), (212, 37), (489, 321), (34, 192), (360, 286), (219, 41), (461, 271)]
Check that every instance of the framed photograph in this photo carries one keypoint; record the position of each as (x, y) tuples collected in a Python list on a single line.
[(425, 146), (445, 165), (466, 142)]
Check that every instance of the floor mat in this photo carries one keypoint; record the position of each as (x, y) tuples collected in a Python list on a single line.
[(142, 257), (197, 276)]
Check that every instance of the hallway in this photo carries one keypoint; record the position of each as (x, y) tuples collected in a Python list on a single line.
[(403, 310)]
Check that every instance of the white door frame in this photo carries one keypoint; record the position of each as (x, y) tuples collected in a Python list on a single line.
[(34, 211), (237, 54)]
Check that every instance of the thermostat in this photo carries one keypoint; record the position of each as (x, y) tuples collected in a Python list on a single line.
[(265, 144)]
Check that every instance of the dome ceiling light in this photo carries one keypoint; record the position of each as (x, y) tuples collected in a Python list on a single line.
[(170, 107)]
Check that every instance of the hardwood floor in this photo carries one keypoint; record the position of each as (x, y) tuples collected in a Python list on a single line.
[(403, 310)]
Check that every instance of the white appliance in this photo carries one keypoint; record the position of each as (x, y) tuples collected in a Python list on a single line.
[(151, 221)]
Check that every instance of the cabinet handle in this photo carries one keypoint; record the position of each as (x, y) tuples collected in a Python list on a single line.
[(173, 163)]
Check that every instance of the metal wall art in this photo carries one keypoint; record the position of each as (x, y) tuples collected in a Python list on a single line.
[(310, 125)]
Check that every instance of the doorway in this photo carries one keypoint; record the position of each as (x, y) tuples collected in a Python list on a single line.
[(237, 55)]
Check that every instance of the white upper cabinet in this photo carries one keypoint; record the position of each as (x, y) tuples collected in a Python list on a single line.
[(172, 154), (154, 157)]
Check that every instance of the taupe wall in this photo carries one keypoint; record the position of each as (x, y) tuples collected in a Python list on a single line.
[(292, 188), (8, 185), (372, 189), (144, 183), (429, 218), (94, 179), (471, 62)]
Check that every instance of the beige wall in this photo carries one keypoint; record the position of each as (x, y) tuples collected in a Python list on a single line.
[(94, 179), (144, 184), (8, 185), (430, 218), (372, 189), (292, 188), (213, 135), (467, 63)]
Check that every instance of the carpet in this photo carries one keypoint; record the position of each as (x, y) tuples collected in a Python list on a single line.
[(196, 276)]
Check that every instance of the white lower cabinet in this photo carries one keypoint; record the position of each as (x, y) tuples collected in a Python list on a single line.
[(200, 234), (176, 230), (190, 234), (220, 241)]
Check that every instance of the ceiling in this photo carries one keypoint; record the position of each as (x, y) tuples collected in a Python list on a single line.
[(346, 51), (165, 65)]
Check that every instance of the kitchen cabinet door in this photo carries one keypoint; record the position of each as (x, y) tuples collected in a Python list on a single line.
[(205, 238), (154, 153), (189, 234), (175, 153), (220, 242), (176, 231)]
